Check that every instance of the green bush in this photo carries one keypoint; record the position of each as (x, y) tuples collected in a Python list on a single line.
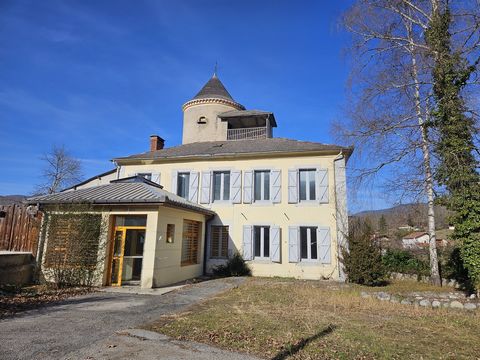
[(402, 261), (235, 266), (453, 268), (363, 258)]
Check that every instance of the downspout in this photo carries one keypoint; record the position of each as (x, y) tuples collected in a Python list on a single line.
[(205, 250), (119, 167)]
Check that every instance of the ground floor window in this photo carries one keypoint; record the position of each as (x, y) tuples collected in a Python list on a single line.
[(261, 238), (190, 243), (219, 241), (308, 243)]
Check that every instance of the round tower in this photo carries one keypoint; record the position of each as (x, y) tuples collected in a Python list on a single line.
[(200, 115)]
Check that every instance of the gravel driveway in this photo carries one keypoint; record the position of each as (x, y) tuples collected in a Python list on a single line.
[(99, 326)]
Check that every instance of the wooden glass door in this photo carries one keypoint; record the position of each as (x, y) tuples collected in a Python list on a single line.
[(117, 258)]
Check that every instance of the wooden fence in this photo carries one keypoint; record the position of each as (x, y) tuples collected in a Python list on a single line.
[(19, 230)]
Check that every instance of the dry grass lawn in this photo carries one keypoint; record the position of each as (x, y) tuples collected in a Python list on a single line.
[(279, 319)]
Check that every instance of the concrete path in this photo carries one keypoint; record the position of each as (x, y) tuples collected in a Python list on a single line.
[(98, 326)]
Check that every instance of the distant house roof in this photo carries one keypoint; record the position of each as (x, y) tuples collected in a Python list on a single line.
[(99, 176), (209, 149), (131, 190), (415, 235)]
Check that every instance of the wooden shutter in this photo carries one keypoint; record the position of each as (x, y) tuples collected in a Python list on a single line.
[(190, 242), (193, 187), (174, 182), (293, 244), (247, 242), (206, 187), (321, 180), (219, 241), (292, 186), (276, 186), (156, 178), (248, 186), (275, 243), (324, 244), (236, 186)]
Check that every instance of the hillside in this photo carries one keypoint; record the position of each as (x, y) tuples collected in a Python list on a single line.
[(401, 215), (11, 199)]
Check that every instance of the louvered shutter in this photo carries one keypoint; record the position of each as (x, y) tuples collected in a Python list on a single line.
[(247, 186), (156, 178), (193, 187), (236, 186), (206, 187), (324, 244), (174, 182), (275, 243), (247, 242), (321, 181), (293, 244), (276, 186), (293, 186)]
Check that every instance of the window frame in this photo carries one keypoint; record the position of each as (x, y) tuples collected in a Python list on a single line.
[(170, 233), (222, 186), (187, 188), (262, 187), (222, 228), (262, 242), (313, 229), (309, 171)]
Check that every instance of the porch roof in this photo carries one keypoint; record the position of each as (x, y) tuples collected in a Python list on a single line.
[(128, 191)]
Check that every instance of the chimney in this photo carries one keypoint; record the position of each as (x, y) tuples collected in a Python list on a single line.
[(156, 143)]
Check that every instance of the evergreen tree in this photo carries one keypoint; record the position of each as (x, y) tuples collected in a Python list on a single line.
[(457, 168), (382, 225)]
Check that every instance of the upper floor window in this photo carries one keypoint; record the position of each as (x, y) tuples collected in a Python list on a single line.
[(147, 176), (307, 184), (261, 185), (221, 185), (308, 243), (183, 184), (261, 238), (202, 120)]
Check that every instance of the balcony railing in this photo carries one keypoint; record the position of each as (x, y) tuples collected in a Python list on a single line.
[(247, 133)]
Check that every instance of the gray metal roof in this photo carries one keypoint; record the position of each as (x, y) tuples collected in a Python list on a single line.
[(131, 190), (246, 117), (209, 149), (213, 89)]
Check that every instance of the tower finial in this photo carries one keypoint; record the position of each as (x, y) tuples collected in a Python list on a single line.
[(215, 69)]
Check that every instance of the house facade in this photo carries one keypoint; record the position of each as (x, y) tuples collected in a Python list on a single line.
[(281, 203)]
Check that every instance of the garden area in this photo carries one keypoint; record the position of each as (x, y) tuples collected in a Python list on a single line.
[(285, 318)]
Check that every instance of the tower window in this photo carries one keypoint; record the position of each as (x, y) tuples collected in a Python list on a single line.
[(202, 120)]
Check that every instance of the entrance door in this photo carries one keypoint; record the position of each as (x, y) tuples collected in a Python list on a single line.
[(127, 257)]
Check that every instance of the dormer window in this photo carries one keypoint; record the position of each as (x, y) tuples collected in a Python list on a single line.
[(202, 120)]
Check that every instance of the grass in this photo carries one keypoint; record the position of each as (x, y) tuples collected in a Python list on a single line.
[(278, 319)]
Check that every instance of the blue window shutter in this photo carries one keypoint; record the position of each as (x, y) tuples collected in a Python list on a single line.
[(293, 244), (275, 244), (193, 187), (321, 181), (247, 186), (236, 186), (206, 187), (276, 186), (292, 186), (174, 182), (247, 242), (324, 244)]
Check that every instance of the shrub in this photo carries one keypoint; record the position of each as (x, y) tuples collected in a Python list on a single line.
[(363, 258), (402, 261), (235, 266), (452, 267)]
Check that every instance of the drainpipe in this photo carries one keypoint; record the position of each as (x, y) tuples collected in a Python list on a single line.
[(205, 250), (340, 212), (118, 168)]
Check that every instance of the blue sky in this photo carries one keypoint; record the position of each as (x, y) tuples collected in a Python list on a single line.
[(101, 76)]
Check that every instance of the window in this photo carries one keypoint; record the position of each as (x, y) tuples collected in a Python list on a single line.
[(132, 220), (261, 238), (147, 176), (170, 233), (262, 185), (307, 184), (308, 243), (221, 185), (202, 120), (219, 242), (183, 183), (191, 239)]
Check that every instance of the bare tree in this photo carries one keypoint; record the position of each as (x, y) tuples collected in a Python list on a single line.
[(60, 171), (391, 85)]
